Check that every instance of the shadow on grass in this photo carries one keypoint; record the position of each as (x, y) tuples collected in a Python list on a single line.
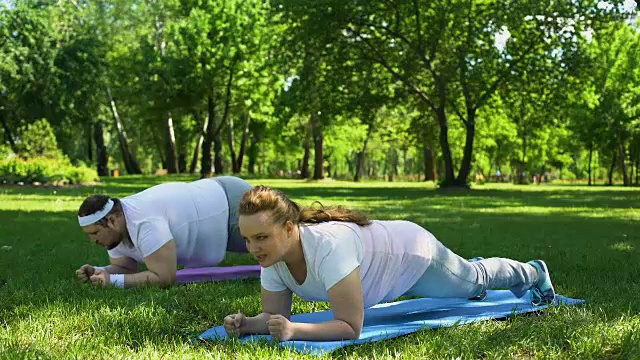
[(601, 197), (477, 198)]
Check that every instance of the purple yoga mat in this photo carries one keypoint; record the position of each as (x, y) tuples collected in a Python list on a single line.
[(217, 273)]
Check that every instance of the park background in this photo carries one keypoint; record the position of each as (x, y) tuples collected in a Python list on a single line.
[(497, 125)]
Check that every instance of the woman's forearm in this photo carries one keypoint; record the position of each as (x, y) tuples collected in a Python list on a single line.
[(325, 331), (255, 325)]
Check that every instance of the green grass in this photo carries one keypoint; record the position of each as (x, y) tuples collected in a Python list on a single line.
[(588, 236)]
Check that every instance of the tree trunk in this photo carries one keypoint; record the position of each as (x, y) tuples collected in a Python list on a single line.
[(350, 164), (523, 163), (170, 146), (89, 134), (465, 168), (446, 149), (391, 164), (243, 144), (637, 166), (406, 163), (182, 160), (623, 163), (360, 155), (318, 147), (253, 154), (430, 173), (612, 167), (7, 132), (196, 151), (225, 117), (232, 144), (590, 160), (102, 159), (256, 129), (161, 152), (205, 167), (130, 163), (304, 169), (218, 168), (171, 158)]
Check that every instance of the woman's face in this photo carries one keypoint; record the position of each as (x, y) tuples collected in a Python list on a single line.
[(266, 241)]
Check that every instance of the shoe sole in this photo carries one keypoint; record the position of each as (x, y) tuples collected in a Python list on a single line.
[(546, 270)]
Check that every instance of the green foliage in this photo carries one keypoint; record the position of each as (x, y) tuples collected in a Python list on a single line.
[(6, 152), (38, 140), (45, 170), (535, 91)]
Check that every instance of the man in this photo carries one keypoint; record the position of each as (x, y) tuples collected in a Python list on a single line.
[(191, 224)]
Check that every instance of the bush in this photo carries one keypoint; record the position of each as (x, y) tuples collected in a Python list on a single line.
[(82, 175), (38, 140), (6, 152), (45, 170)]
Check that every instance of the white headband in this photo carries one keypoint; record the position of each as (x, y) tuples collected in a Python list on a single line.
[(96, 216)]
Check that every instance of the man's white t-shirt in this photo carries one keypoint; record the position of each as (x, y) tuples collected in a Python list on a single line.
[(392, 256), (195, 215)]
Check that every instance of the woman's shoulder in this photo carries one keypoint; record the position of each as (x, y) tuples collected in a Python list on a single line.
[(329, 233)]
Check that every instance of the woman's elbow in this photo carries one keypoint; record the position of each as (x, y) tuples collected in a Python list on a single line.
[(354, 334)]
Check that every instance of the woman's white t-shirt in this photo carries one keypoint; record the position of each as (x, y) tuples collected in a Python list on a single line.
[(195, 215), (392, 256)]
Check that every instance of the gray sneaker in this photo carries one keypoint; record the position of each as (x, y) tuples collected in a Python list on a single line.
[(484, 294), (542, 291)]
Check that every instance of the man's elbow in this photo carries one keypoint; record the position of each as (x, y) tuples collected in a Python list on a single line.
[(166, 281)]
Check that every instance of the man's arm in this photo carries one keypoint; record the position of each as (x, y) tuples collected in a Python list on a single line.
[(161, 268), (121, 265)]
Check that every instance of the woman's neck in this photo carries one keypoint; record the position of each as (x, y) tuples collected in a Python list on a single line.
[(295, 255), (295, 260)]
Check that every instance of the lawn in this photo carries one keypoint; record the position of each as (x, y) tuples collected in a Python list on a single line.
[(588, 236)]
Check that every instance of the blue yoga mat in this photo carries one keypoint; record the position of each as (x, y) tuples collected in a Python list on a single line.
[(389, 320)]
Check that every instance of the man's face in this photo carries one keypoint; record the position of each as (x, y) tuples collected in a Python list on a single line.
[(107, 236)]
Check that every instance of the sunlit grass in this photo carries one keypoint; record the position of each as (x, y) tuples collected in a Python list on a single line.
[(588, 236)]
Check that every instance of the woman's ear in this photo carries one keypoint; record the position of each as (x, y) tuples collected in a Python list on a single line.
[(289, 227)]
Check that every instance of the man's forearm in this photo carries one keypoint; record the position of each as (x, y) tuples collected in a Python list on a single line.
[(115, 269), (144, 277)]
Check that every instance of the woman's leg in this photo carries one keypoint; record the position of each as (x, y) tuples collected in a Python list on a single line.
[(450, 275)]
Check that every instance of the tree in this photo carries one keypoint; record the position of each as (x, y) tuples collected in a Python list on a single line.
[(445, 52), (607, 108)]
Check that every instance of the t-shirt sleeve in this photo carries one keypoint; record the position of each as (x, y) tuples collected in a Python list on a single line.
[(337, 258), (271, 280), (115, 253), (152, 235)]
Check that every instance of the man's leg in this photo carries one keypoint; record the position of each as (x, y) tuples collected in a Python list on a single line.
[(234, 187)]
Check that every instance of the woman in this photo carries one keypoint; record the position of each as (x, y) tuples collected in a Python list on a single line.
[(341, 256)]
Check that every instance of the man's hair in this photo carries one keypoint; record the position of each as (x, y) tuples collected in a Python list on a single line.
[(95, 203)]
